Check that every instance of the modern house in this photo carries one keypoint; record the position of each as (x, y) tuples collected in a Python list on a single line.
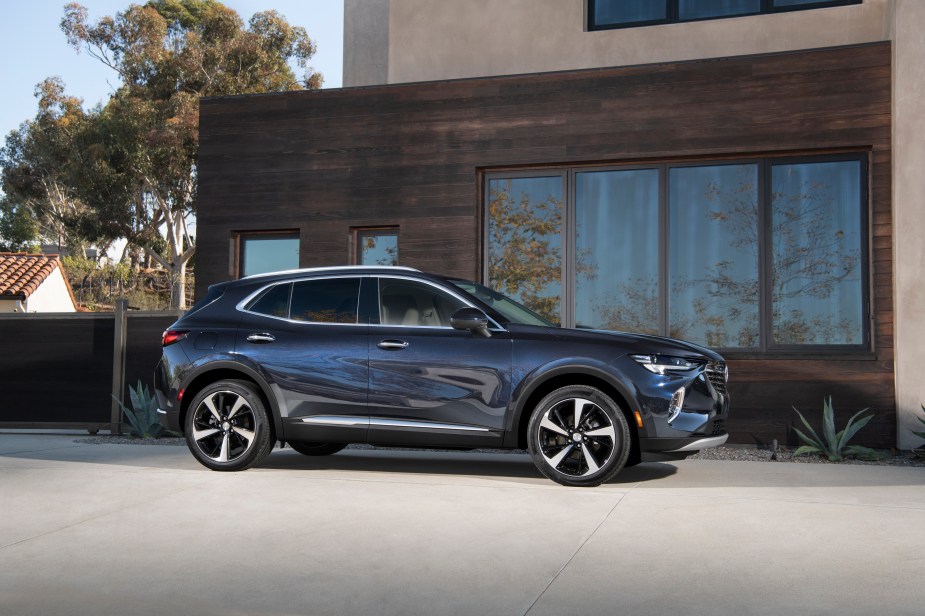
[(34, 283), (745, 174)]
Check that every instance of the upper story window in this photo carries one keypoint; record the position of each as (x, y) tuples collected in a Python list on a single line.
[(261, 251), (376, 246), (608, 14)]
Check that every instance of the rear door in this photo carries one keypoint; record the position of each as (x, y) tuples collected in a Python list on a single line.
[(308, 340)]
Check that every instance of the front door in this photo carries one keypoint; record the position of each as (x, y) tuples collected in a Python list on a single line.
[(429, 383)]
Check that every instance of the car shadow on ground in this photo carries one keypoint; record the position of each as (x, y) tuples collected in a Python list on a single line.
[(474, 464)]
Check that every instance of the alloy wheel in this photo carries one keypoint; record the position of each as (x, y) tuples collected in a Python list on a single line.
[(224, 426), (576, 437)]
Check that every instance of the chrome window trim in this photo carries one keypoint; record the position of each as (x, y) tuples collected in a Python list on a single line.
[(240, 305), (493, 325)]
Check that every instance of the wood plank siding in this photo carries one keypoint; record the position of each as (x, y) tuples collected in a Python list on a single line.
[(414, 155)]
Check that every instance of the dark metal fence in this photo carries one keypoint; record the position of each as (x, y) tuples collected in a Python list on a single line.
[(61, 370)]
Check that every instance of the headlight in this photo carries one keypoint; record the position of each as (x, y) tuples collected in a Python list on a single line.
[(663, 364)]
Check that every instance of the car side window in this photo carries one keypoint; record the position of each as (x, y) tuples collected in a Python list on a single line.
[(406, 302), (331, 300), (273, 303)]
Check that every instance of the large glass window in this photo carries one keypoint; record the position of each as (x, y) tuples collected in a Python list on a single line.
[(616, 250), (713, 255), (606, 14), (260, 253), (751, 255), (816, 277), (525, 241)]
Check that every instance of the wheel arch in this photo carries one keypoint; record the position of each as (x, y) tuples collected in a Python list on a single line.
[(541, 385), (229, 370)]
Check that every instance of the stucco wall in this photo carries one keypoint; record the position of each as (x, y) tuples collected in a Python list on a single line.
[(366, 42), (909, 215), (438, 39), (51, 296)]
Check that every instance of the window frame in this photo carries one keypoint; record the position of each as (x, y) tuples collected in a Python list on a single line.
[(673, 13), (358, 233), (239, 243), (766, 346)]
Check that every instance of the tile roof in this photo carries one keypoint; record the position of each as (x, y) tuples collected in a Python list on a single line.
[(21, 273)]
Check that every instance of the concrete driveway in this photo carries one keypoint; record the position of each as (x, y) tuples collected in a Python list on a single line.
[(126, 529)]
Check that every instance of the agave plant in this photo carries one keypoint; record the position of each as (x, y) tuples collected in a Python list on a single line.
[(142, 417), (834, 445)]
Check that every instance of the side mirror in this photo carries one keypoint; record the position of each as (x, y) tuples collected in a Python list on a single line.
[(472, 319)]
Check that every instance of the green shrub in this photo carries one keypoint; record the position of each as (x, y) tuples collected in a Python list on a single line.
[(142, 417), (834, 445)]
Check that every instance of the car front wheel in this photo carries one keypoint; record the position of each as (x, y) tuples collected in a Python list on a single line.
[(578, 436), (227, 427)]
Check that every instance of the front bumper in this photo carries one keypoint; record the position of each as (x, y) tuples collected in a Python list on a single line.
[(663, 449)]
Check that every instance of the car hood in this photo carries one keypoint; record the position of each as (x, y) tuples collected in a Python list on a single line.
[(633, 343)]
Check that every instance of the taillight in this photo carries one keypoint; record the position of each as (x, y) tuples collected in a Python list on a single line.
[(173, 335)]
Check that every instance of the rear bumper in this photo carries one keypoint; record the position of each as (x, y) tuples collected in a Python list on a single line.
[(169, 418)]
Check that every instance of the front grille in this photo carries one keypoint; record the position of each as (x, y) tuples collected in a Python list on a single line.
[(719, 427), (716, 372)]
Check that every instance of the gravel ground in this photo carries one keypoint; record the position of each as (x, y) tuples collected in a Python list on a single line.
[(742, 453)]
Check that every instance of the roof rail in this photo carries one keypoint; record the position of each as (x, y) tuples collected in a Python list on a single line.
[(309, 270)]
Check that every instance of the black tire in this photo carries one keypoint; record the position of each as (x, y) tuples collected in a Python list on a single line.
[(316, 449), (227, 426), (585, 453)]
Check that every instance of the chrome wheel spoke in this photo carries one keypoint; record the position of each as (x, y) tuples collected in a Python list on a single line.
[(247, 435), (223, 453), (211, 406), (607, 431), (198, 435), (548, 424), (593, 466), (580, 406), (236, 407), (556, 460)]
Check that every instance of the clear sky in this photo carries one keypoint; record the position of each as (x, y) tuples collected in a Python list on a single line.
[(33, 47)]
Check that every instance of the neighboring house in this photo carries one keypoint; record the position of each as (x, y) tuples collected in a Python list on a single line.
[(744, 174), (34, 283)]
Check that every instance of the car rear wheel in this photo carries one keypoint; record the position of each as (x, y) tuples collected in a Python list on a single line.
[(227, 427), (578, 436), (316, 449)]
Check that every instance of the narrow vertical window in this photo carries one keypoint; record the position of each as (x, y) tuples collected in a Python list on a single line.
[(260, 252), (713, 255), (377, 246), (816, 242), (616, 250), (525, 218)]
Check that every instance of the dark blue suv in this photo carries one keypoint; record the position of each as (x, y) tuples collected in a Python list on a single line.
[(391, 356)]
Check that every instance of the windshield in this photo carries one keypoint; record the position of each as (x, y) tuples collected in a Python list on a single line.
[(505, 306)]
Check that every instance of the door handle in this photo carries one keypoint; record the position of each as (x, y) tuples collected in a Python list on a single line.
[(393, 345), (261, 338)]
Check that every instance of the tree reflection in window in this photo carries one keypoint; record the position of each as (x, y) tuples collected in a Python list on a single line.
[(713, 255), (816, 287), (525, 241)]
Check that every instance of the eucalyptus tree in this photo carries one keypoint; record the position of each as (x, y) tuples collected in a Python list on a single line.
[(140, 152)]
